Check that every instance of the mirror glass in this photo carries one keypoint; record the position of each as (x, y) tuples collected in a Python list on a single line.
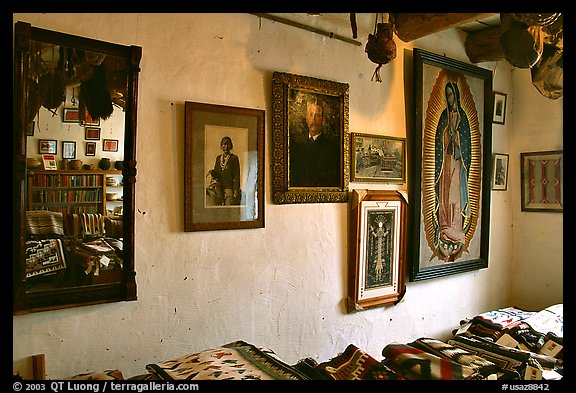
[(75, 129)]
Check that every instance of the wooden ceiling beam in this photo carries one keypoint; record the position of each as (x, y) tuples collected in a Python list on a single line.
[(484, 45), (411, 26)]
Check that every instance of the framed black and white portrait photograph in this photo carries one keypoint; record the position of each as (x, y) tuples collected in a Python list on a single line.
[(499, 116), (224, 167), (500, 172)]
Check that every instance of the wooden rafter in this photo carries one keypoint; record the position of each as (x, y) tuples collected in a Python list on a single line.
[(411, 26)]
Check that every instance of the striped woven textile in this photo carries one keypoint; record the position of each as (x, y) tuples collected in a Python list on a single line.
[(44, 223), (455, 354), (354, 364), (93, 224), (413, 363)]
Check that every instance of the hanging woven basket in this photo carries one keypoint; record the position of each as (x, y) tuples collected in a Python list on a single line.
[(381, 48)]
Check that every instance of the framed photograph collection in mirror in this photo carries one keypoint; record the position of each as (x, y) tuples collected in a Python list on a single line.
[(53, 195)]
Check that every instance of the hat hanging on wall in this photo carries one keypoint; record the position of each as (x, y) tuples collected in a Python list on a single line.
[(381, 48)]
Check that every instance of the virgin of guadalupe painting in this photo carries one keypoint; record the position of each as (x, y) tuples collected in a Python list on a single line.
[(451, 147), (451, 169)]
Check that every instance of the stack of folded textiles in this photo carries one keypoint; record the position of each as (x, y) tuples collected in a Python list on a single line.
[(524, 344)]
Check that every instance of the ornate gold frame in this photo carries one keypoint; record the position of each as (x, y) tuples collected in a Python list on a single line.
[(283, 84)]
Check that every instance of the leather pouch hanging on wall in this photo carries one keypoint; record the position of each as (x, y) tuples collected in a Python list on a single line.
[(381, 48)]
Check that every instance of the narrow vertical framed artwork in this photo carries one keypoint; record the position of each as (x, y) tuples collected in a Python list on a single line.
[(542, 178), (310, 140), (378, 249), (450, 149), (223, 167), (68, 149), (90, 149), (500, 172), (499, 116)]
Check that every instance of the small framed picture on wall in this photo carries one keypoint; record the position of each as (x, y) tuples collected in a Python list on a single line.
[(499, 108), (70, 115), (500, 172), (90, 149), (68, 149), (47, 146), (110, 145), (92, 133)]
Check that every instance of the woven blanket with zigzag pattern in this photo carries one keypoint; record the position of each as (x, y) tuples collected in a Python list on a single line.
[(413, 363)]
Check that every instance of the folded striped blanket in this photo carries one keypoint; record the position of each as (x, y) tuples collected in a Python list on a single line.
[(503, 318), (414, 363), (354, 364), (93, 224), (44, 223), (456, 354)]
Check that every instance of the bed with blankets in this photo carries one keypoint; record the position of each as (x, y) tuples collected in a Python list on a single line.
[(502, 344), (72, 248)]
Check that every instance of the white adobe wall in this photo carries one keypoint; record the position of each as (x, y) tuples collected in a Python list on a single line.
[(282, 286)]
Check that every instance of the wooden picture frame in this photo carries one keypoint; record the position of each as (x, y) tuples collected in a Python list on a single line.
[(377, 266), (92, 133), (70, 115), (68, 149), (542, 178), (47, 146), (90, 149), (208, 203), (304, 171), (499, 116), (110, 145), (377, 158), (449, 215), (500, 172)]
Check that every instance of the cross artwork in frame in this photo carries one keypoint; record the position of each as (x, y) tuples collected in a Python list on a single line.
[(378, 251), (377, 158), (542, 178), (310, 140), (223, 167), (450, 179)]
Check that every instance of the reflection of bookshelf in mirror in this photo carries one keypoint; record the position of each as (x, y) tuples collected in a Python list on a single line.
[(70, 191)]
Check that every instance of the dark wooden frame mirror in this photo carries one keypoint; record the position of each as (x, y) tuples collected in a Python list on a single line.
[(73, 293)]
